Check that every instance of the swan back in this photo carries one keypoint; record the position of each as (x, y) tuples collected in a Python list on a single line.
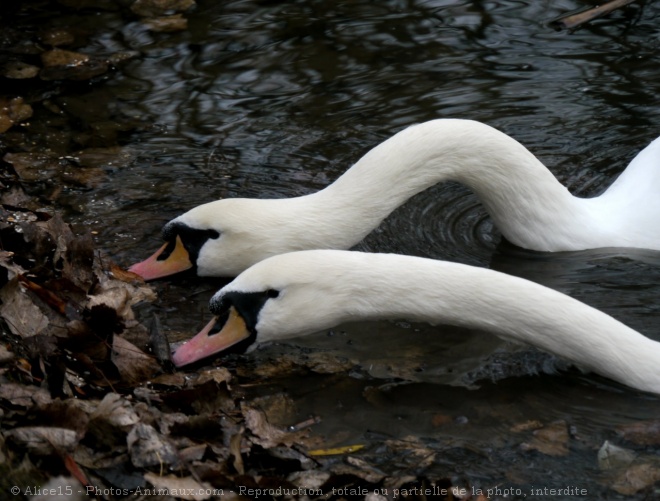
[(632, 203)]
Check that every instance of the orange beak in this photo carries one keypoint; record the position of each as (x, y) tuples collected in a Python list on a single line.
[(206, 343), (177, 261)]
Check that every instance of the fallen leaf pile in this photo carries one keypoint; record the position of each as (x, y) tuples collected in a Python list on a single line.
[(84, 400), (58, 302), (90, 406)]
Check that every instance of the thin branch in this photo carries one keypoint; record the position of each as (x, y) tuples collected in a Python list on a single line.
[(572, 21)]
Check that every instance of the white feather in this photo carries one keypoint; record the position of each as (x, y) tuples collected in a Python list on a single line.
[(527, 203), (323, 288)]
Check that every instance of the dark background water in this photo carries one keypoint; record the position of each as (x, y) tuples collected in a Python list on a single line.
[(268, 99)]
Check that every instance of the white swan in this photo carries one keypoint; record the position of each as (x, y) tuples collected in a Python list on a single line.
[(303, 292), (528, 205)]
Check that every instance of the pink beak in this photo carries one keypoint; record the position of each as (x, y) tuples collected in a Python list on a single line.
[(205, 344), (152, 268)]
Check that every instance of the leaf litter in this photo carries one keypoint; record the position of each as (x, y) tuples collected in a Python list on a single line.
[(84, 395), (88, 396)]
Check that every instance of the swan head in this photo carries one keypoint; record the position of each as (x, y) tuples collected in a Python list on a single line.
[(284, 296), (220, 238)]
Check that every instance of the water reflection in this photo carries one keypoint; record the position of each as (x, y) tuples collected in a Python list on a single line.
[(266, 99), (277, 100)]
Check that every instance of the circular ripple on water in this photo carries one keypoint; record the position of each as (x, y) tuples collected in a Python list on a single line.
[(449, 222), (445, 222)]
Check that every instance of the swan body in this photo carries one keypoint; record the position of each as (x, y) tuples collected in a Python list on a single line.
[(303, 292), (527, 203)]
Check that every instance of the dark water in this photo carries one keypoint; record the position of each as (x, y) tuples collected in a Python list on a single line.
[(267, 99)]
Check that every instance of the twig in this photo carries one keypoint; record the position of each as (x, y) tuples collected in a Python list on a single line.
[(571, 21)]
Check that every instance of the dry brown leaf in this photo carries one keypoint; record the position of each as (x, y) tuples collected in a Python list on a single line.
[(71, 253), (397, 482), (613, 457), (636, 478), (192, 453), (328, 363), (373, 496), (74, 66), (147, 447), (551, 440), (150, 8), (270, 368), (21, 395), (116, 410), (86, 177), (371, 473), (92, 457), (169, 420), (117, 298), (124, 275), (235, 449), (43, 440), (34, 166), (176, 380), (61, 57), (526, 426), (279, 408), (5, 354), (133, 364), (78, 260), (16, 197), (217, 375), (57, 36), (441, 420), (159, 345), (113, 156), (13, 111), (73, 468), (642, 432), (413, 447), (265, 434), (67, 413), (122, 295), (207, 398), (23, 317), (167, 24), (336, 451), (7, 262), (46, 295)]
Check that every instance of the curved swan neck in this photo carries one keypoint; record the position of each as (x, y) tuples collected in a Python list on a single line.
[(518, 191), (376, 286)]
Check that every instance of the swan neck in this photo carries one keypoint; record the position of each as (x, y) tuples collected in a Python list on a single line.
[(449, 293), (524, 199)]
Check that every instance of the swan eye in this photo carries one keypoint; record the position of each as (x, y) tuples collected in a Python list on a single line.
[(220, 322), (247, 304), (167, 252), (193, 239)]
